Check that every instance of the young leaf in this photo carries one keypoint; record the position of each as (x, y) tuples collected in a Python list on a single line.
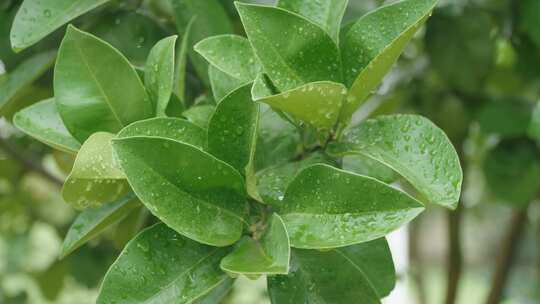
[(95, 178), (211, 19), (38, 18), (317, 103), (161, 266), (325, 13), (269, 255), (23, 75), (192, 192), (373, 44), (222, 83), (231, 54), (325, 207), (374, 259), (322, 277), (172, 128), (292, 50), (159, 73), (96, 88), (91, 222), (42, 122), (200, 115), (273, 181), (232, 131), (415, 148)]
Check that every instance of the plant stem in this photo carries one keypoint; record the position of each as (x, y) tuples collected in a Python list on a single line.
[(507, 256), (30, 162), (415, 260), (455, 254)]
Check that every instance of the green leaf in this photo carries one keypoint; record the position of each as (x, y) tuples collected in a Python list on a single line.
[(194, 193), (217, 294), (529, 13), (91, 222), (325, 13), (181, 63), (161, 266), (317, 103), (374, 259), (222, 83), (273, 181), (231, 54), (23, 75), (268, 255), (38, 18), (95, 178), (42, 122), (366, 166), (413, 147), (512, 172), (232, 131), (159, 73), (171, 128), (200, 115), (373, 44), (505, 118), (292, 50), (322, 277), (211, 20), (534, 125), (325, 207), (95, 87)]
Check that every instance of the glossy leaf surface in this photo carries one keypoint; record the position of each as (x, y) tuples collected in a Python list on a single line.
[(413, 147), (269, 255), (373, 44), (180, 68), (172, 128), (231, 54), (321, 277), (200, 115), (159, 73), (91, 222), (38, 18), (292, 50), (95, 178), (22, 76), (222, 83), (317, 103), (42, 122), (192, 192), (325, 13), (161, 266), (232, 131), (325, 207), (96, 88)]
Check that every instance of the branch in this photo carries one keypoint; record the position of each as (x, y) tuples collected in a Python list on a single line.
[(30, 162), (455, 254), (506, 258)]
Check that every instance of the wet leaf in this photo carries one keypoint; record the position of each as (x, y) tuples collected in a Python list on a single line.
[(181, 64), (292, 50), (159, 73), (161, 266), (317, 103), (232, 131), (413, 147), (95, 178), (222, 83), (38, 18), (96, 88), (269, 255), (325, 207), (91, 222), (374, 43), (42, 122), (326, 14), (200, 115), (192, 192)]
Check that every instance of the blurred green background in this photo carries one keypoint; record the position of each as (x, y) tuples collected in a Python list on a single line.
[(474, 70)]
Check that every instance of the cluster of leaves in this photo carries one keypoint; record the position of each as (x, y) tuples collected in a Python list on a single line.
[(265, 177)]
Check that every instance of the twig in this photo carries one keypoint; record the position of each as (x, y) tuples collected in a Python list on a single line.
[(507, 256), (455, 254), (29, 162), (415, 260)]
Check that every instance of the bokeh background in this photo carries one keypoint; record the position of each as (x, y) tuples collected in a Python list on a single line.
[(474, 69)]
